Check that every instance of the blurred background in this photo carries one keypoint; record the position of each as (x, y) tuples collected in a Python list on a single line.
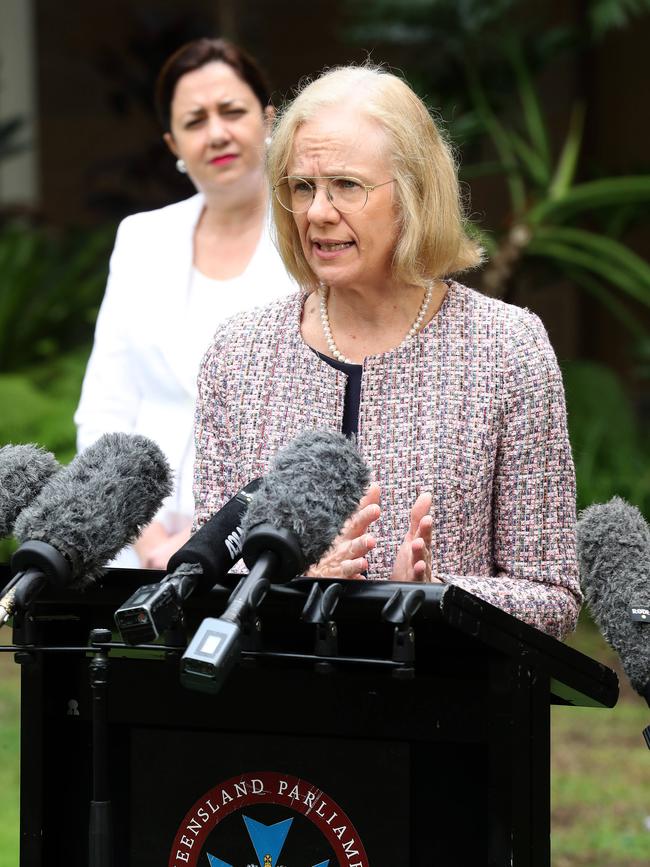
[(547, 105)]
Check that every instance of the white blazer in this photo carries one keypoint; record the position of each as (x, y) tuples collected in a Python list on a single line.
[(141, 376)]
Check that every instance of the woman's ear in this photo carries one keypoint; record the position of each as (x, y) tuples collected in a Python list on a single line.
[(168, 138)]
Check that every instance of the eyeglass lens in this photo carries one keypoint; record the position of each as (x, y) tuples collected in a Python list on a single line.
[(297, 194)]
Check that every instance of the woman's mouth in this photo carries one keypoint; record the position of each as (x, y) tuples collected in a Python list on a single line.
[(329, 249), (223, 160)]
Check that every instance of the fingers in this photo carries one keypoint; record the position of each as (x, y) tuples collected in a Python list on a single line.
[(356, 564), (353, 570), (345, 559), (425, 529), (372, 495), (360, 522), (420, 508), (421, 544), (420, 561), (367, 511), (360, 546)]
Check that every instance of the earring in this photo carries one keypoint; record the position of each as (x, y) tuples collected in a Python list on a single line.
[(268, 140), (181, 167)]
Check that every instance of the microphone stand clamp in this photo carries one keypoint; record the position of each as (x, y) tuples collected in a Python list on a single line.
[(319, 608), (400, 609)]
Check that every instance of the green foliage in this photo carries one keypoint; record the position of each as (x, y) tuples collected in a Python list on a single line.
[(611, 454), (606, 15), (544, 197), (599, 777), (481, 61), (51, 284), (9, 752), (38, 403), (38, 407)]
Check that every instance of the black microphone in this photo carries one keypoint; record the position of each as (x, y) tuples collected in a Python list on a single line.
[(86, 514), (24, 472), (614, 557), (314, 486), (195, 568)]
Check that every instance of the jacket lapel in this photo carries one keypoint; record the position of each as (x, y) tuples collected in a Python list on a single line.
[(174, 272)]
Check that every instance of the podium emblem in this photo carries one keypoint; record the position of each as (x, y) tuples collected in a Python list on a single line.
[(266, 819)]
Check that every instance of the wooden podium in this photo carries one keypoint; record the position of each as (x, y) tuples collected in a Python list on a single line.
[(368, 738)]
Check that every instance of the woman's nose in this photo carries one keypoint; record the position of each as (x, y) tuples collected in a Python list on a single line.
[(321, 208), (217, 131)]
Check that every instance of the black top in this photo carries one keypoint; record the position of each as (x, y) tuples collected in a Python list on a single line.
[(350, 424)]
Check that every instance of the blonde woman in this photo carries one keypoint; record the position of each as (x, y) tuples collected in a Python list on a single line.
[(455, 399)]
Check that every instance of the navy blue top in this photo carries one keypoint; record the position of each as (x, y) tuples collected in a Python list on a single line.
[(350, 424)]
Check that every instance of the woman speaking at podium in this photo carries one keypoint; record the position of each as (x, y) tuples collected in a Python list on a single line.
[(177, 272), (455, 399)]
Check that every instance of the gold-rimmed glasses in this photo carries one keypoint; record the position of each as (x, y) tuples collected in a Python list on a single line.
[(348, 195)]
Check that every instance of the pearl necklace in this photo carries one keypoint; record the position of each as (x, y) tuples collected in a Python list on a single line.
[(323, 291)]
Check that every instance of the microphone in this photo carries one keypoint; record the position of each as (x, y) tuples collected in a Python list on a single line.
[(314, 486), (614, 558), (196, 567), (24, 471), (85, 515)]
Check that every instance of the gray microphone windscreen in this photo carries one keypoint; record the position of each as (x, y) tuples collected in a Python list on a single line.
[(24, 471), (99, 502), (614, 557), (313, 487)]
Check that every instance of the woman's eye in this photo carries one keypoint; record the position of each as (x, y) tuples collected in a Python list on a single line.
[(234, 112), (300, 188), (346, 184)]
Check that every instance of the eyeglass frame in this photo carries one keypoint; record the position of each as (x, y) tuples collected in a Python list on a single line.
[(367, 187)]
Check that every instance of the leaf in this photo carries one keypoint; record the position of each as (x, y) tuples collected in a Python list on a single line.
[(606, 15), (601, 247), (533, 116), (534, 164), (568, 161), (611, 301), (499, 137), (568, 255), (591, 195)]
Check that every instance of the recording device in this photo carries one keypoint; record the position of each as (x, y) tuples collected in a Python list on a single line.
[(24, 471), (196, 567), (614, 556), (314, 486), (85, 515)]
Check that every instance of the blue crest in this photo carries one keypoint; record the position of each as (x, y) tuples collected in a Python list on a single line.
[(267, 841)]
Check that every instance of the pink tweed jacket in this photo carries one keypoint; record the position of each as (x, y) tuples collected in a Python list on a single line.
[(471, 409)]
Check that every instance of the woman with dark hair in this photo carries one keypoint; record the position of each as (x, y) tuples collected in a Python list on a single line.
[(177, 272)]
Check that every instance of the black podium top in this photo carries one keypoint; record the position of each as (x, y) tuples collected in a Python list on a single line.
[(453, 629)]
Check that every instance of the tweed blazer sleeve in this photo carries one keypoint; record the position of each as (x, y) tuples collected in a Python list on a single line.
[(534, 540)]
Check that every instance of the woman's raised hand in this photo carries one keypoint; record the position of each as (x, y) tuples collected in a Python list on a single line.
[(155, 545), (347, 556), (413, 560)]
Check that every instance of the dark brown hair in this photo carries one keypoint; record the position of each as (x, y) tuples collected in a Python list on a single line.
[(196, 54)]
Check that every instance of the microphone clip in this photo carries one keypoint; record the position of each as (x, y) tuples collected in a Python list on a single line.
[(319, 608), (400, 609), (249, 620)]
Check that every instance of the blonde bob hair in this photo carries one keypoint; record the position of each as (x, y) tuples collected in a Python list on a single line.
[(432, 240)]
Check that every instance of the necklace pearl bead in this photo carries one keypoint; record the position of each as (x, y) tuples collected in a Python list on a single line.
[(327, 330)]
